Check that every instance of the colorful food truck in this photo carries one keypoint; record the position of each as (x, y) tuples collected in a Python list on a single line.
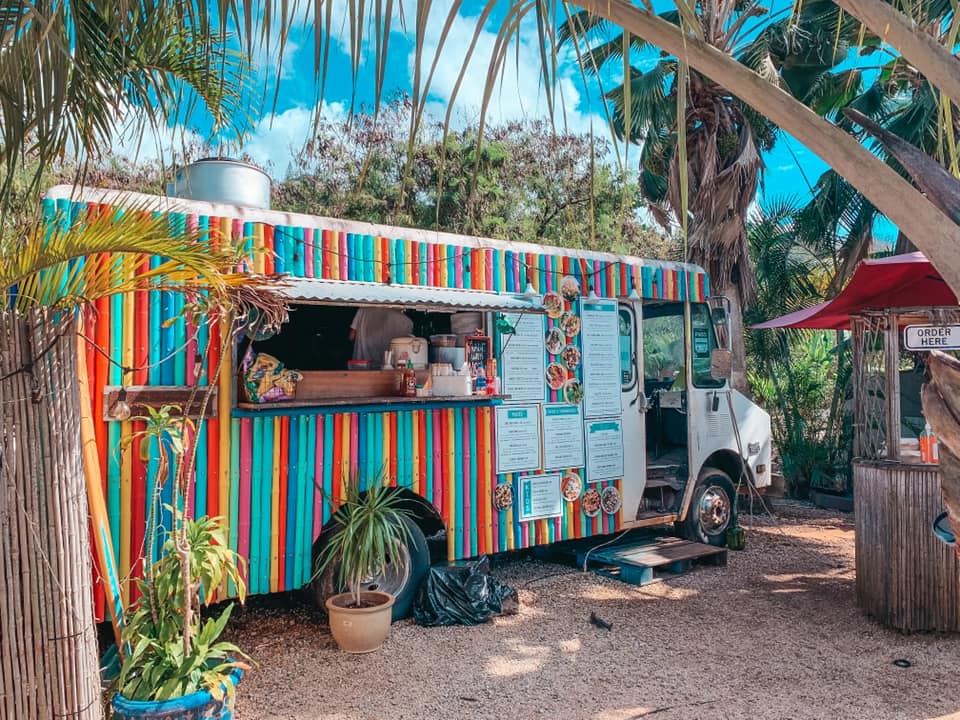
[(558, 399)]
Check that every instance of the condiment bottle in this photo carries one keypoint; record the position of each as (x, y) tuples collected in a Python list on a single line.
[(493, 380), (481, 381), (929, 446), (410, 380)]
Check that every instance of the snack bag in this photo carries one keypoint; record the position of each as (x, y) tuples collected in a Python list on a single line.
[(266, 380)]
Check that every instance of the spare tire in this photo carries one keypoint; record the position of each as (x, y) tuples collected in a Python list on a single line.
[(402, 582)]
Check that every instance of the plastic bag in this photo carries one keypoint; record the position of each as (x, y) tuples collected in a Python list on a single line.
[(462, 595)]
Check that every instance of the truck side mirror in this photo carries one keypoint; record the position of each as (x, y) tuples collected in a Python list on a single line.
[(721, 363), (718, 315)]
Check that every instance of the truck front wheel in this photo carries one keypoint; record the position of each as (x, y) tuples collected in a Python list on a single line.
[(712, 509), (401, 580)]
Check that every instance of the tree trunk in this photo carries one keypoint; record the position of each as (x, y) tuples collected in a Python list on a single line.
[(738, 345), (48, 643), (926, 226)]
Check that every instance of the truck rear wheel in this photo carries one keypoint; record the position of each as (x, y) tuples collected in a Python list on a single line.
[(712, 509), (401, 580)]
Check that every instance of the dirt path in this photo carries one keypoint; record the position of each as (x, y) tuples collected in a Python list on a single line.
[(775, 634)]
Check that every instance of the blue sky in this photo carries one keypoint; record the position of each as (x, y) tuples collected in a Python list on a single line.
[(791, 168)]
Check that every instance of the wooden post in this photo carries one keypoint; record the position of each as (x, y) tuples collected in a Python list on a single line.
[(891, 369), (857, 375), (48, 653)]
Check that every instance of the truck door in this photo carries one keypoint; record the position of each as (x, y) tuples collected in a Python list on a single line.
[(634, 406)]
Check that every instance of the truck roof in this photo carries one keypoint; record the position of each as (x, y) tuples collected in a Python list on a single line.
[(159, 203)]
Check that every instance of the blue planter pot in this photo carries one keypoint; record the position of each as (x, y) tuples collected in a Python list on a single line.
[(196, 706)]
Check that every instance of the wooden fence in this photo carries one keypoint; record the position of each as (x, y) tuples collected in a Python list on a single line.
[(48, 644)]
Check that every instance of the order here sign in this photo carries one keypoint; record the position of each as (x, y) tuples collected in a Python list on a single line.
[(932, 337)]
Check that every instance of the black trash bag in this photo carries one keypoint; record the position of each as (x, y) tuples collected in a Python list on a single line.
[(462, 595)]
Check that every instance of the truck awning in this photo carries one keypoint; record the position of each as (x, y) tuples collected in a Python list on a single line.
[(335, 292)]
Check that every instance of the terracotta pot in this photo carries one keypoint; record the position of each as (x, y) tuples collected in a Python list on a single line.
[(360, 630)]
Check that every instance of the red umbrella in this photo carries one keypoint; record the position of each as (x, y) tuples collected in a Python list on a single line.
[(899, 281)]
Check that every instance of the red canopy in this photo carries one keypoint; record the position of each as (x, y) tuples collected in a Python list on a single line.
[(891, 282)]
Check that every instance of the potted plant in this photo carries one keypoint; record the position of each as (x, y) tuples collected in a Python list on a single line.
[(370, 531), (174, 665)]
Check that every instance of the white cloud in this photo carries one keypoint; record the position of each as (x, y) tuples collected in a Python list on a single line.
[(274, 140), (518, 91)]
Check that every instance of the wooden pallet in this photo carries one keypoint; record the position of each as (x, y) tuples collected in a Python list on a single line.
[(635, 562)]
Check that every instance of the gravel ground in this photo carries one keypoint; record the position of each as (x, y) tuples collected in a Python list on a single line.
[(775, 634)]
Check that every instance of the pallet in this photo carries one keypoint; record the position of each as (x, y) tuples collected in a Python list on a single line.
[(635, 562)]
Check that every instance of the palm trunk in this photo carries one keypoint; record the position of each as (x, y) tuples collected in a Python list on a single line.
[(738, 345), (896, 198), (48, 643)]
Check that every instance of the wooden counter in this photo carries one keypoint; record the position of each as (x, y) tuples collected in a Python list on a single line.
[(386, 403), (906, 577)]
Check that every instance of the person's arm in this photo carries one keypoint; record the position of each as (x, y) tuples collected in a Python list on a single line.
[(353, 325)]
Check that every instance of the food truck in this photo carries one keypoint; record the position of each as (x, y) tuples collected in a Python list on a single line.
[(554, 394)]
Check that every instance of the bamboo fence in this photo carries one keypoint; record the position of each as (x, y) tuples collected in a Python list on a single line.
[(48, 643)]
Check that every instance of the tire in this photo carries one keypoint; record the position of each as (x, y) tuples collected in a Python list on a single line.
[(712, 509), (403, 585)]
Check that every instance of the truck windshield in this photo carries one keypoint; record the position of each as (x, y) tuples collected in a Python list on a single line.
[(663, 344)]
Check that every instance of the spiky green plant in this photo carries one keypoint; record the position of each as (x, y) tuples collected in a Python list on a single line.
[(371, 531)]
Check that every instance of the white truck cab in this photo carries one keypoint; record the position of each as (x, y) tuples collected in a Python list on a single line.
[(692, 443)]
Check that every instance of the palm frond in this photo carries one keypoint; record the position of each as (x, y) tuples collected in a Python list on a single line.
[(66, 262), (71, 69)]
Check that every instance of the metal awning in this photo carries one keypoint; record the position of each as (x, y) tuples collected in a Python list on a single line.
[(335, 292)]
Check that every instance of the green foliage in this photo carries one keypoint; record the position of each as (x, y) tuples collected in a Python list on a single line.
[(808, 394), (524, 182), (800, 376), (171, 650), (158, 667), (371, 532)]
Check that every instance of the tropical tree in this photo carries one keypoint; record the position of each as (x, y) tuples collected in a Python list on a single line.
[(723, 137)]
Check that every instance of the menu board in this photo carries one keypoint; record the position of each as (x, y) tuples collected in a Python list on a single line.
[(521, 359), (604, 449), (476, 350), (562, 437), (540, 497), (600, 336), (518, 438)]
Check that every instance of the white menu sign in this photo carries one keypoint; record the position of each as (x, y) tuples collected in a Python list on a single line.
[(521, 359), (518, 438), (562, 437), (600, 335), (540, 497), (604, 449)]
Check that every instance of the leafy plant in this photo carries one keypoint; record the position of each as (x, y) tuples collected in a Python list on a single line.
[(170, 656), (172, 651), (371, 532)]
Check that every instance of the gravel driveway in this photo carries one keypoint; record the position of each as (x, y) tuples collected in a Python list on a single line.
[(775, 634)]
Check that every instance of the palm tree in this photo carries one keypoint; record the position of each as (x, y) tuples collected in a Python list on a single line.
[(724, 136), (905, 103)]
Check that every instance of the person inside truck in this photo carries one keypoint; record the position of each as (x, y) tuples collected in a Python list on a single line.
[(372, 330)]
